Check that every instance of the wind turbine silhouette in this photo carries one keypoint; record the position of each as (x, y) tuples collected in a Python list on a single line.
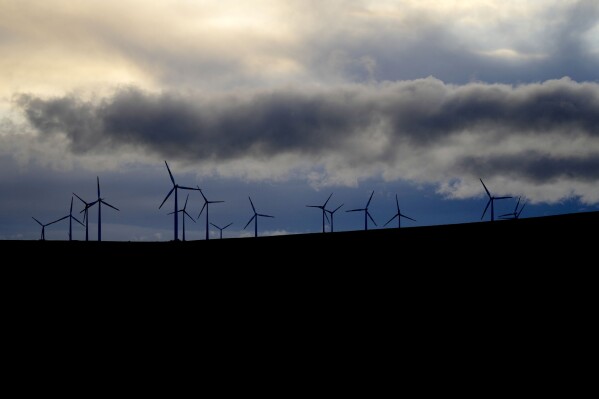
[(323, 210), (366, 213), (43, 235), (184, 214), (255, 218), (491, 202), (516, 213), (332, 213), (100, 201), (221, 228), (175, 188), (71, 217), (206, 205), (398, 215), (85, 215)]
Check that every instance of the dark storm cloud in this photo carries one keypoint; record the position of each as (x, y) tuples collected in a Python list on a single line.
[(533, 166), (539, 132), (196, 127), (424, 112)]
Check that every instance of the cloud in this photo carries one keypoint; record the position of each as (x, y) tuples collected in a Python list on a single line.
[(421, 130), (55, 46)]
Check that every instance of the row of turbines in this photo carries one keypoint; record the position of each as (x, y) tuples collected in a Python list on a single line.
[(256, 215), (99, 201), (327, 214)]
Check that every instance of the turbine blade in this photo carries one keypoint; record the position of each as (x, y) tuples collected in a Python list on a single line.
[(507, 214), (486, 207), (488, 193), (188, 215), (170, 213), (498, 198), (202, 193), (227, 226), (355, 210), (390, 220), (58, 220), (517, 204), (370, 199), (98, 177), (326, 216), (521, 209), (78, 221), (107, 204), (71, 210), (185, 206), (248, 223), (254, 209), (38, 222), (368, 213), (325, 203), (168, 195), (215, 225), (314, 206), (169, 173), (215, 202), (202, 209), (407, 217), (81, 199), (336, 209), (397, 203), (266, 216), (189, 188)]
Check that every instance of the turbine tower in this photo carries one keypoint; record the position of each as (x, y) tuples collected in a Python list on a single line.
[(322, 208), (332, 213), (516, 213), (207, 206), (184, 211), (255, 218), (366, 213), (175, 188), (491, 202), (43, 235), (398, 215), (85, 215), (221, 228), (100, 201)]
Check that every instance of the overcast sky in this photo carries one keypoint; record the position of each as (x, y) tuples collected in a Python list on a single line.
[(289, 101)]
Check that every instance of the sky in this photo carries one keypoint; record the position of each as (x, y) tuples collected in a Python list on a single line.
[(290, 101)]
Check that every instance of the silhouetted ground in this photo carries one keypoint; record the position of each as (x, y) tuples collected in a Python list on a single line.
[(516, 293), (565, 238)]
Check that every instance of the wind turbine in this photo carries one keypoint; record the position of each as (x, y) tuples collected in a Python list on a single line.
[(255, 218), (184, 214), (85, 215), (491, 202), (398, 215), (71, 217), (516, 213), (175, 188), (323, 210), (206, 205), (366, 213), (221, 228), (100, 201), (333, 213), (43, 235)]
